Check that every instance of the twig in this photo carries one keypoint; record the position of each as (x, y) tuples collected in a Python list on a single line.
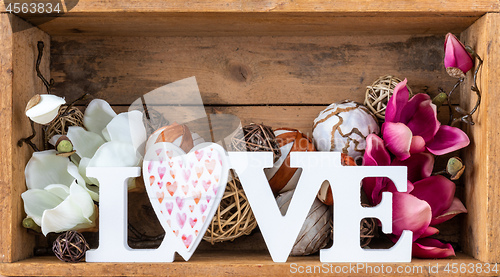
[(27, 140), (67, 111), (145, 107), (457, 84), (467, 116), (48, 85)]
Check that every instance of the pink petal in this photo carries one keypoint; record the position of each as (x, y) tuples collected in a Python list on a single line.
[(430, 231), (437, 190), (397, 137), (409, 213), (431, 249), (456, 208), (397, 102), (455, 54), (392, 188), (411, 108), (417, 145), (375, 155), (373, 187), (375, 152), (424, 122), (419, 166), (449, 52), (447, 139)]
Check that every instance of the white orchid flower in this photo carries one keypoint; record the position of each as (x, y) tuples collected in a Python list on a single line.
[(43, 108), (108, 139), (46, 168), (57, 208)]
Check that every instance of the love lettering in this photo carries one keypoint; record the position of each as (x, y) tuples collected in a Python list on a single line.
[(316, 168)]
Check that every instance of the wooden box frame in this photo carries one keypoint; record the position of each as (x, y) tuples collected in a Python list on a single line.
[(478, 22)]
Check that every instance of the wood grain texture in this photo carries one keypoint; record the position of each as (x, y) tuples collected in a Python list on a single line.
[(227, 263), (482, 175), (251, 24), (129, 6), (19, 84), (5, 136), (245, 70), (263, 17)]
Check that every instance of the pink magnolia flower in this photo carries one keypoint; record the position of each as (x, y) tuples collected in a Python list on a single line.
[(411, 126), (428, 201), (457, 60)]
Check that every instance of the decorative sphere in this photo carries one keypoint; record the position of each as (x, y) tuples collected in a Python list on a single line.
[(316, 230), (343, 127)]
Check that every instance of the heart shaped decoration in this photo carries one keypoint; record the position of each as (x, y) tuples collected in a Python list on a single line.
[(182, 206)]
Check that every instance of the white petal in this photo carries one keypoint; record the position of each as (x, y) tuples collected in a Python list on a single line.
[(127, 127), (82, 199), (46, 168), (84, 142), (36, 201), (115, 154), (82, 169), (46, 110), (97, 115), (74, 211), (60, 191), (73, 170), (53, 139)]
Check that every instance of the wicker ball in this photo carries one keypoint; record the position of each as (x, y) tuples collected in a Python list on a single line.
[(316, 230), (60, 125), (256, 137), (367, 230), (70, 247), (234, 217), (281, 176), (378, 94)]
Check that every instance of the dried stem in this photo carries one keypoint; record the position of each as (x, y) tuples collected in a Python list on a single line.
[(68, 109), (457, 84), (145, 107), (467, 116), (27, 140), (48, 85)]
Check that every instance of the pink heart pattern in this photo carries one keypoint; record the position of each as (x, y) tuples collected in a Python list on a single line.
[(186, 172)]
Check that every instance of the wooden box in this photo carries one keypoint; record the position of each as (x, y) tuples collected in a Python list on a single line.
[(277, 62)]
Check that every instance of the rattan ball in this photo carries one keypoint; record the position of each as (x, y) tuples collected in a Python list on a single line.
[(60, 125), (70, 247), (234, 217), (367, 230), (256, 137), (378, 94)]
